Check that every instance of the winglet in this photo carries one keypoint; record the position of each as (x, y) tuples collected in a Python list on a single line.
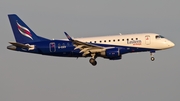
[(68, 36)]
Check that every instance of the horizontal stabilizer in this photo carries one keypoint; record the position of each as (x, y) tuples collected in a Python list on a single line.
[(20, 45)]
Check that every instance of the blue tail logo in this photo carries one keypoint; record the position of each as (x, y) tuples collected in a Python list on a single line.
[(24, 31)]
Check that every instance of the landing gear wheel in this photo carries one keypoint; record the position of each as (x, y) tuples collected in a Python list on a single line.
[(152, 58), (93, 61)]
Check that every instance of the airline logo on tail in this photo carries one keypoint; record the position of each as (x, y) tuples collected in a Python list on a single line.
[(24, 31)]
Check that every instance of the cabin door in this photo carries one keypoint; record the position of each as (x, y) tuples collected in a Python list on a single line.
[(147, 39), (52, 47)]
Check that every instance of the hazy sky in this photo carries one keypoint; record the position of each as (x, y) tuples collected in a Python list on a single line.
[(31, 77)]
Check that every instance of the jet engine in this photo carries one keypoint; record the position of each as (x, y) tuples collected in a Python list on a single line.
[(112, 53)]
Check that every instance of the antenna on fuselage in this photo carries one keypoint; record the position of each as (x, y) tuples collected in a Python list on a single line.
[(120, 34)]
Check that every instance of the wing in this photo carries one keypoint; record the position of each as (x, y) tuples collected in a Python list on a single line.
[(86, 48)]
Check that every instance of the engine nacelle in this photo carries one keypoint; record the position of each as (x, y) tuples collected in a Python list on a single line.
[(112, 53)]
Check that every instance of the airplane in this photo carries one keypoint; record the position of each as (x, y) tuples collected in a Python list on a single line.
[(108, 47)]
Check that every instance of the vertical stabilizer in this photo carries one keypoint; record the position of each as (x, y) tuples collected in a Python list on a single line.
[(22, 33)]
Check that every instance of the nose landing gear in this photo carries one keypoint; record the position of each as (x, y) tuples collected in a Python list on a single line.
[(152, 58), (151, 54)]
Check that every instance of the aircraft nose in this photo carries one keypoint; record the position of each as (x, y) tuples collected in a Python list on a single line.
[(171, 44)]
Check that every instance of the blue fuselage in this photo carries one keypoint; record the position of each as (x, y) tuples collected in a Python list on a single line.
[(66, 48)]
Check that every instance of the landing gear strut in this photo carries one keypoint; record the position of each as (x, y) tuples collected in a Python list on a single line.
[(151, 54), (93, 60)]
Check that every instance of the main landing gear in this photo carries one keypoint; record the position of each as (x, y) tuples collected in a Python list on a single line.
[(93, 60), (151, 54)]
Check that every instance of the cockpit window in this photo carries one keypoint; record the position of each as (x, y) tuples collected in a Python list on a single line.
[(159, 36)]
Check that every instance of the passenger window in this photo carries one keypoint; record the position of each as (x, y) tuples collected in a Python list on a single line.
[(114, 40), (136, 38), (100, 41), (109, 40), (122, 39), (118, 39), (59, 45), (104, 40), (94, 41), (131, 38), (127, 39)]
